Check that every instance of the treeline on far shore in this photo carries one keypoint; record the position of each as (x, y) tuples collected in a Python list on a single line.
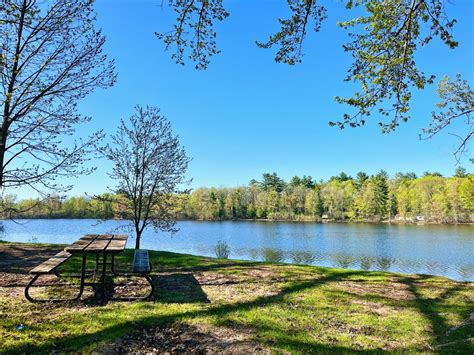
[(402, 198)]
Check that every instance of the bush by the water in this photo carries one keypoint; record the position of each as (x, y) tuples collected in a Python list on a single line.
[(222, 250)]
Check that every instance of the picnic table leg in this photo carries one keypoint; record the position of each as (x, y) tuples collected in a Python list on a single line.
[(104, 271), (27, 289), (83, 276), (81, 286), (96, 269), (114, 272), (86, 273)]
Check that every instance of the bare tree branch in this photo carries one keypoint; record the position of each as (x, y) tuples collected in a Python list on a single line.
[(51, 58), (149, 167)]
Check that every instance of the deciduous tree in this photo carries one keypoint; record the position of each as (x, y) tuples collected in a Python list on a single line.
[(149, 165), (51, 57)]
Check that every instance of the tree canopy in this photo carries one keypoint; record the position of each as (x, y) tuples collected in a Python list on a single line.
[(383, 44), (374, 198), (51, 57), (149, 166)]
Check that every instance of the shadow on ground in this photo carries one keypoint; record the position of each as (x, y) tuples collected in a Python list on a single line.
[(175, 286)]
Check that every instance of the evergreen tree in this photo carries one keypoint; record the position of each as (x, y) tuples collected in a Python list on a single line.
[(460, 172)]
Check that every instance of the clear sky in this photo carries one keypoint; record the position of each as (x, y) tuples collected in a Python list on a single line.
[(246, 115)]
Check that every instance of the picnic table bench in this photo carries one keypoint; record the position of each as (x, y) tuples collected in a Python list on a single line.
[(101, 247), (52, 263)]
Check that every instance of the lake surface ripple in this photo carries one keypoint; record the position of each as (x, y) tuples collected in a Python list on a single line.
[(426, 249)]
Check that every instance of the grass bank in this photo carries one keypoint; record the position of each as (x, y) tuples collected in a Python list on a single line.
[(278, 307)]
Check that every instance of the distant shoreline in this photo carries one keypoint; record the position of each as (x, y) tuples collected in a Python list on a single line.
[(265, 220)]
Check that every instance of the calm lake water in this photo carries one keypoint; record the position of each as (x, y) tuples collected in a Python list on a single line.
[(427, 249)]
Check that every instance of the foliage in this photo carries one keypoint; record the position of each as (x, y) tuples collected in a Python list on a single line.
[(385, 37), (194, 28), (289, 39), (367, 198), (149, 166), (384, 56), (272, 182), (51, 57), (457, 101)]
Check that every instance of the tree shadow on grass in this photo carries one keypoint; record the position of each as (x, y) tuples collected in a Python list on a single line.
[(19, 259), (433, 310), (178, 288), (184, 288), (79, 342)]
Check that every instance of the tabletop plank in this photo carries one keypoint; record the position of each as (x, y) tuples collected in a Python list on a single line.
[(80, 244), (51, 263), (99, 244), (117, 243), (95, 243)]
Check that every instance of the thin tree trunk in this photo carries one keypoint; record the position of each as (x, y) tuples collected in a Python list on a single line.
[(137, 242), (139, 235), (11, 86)]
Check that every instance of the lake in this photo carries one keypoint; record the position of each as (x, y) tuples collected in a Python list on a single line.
[(427, 249)]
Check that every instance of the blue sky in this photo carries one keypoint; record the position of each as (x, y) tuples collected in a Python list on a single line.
[(246, 115)]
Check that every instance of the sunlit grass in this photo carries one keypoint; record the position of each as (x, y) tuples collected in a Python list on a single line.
[(283, 307)]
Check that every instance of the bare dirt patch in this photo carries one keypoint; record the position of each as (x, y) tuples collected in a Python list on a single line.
[(17, 260), (242, 285), (394, 290), (183, 338)]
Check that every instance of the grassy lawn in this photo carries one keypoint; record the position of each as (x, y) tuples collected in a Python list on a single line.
[(281, 307)]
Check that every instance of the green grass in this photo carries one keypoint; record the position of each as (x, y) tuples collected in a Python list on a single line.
[(283, 307)]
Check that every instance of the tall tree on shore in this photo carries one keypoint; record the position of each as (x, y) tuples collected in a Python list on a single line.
[(460, 172), (361, 177), (149, 165), (272, 182), (51, 57), (381, 193)]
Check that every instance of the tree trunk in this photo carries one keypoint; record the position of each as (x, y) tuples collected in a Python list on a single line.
[(11, 87), (137, 241)]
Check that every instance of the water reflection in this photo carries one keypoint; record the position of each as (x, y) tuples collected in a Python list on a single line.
[(384, 263), (366, 262), (343, 261), (272, 255), (254, 254), (466, 272), (302, 257), (357, 246), (435, 268)]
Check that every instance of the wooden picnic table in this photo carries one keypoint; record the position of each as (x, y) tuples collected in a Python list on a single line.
[(98, 245), (101, 246)]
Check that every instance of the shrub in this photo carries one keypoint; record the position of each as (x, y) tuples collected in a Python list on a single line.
[(222, 250)]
